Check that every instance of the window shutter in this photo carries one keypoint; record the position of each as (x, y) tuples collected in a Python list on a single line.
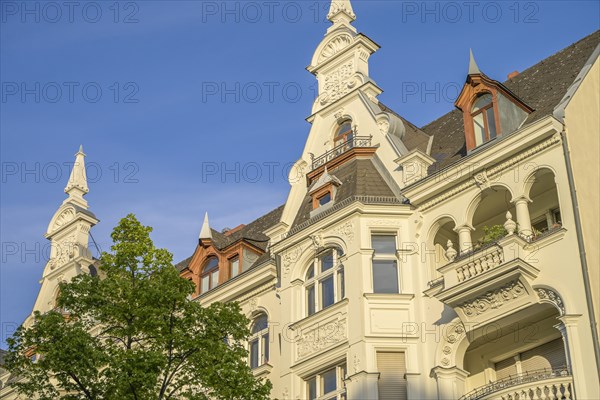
[(392, 379), (548, 356), (506, 368)]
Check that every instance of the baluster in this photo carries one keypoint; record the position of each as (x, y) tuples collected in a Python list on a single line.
[(472, 271)]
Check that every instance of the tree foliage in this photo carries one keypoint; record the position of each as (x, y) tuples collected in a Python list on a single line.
[(132, 333)]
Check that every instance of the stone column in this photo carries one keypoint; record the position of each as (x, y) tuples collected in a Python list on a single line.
[(464, 238), (523, 218), (450, 382), (584, 378)]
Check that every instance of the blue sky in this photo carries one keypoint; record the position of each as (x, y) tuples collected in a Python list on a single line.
[(193, 106)]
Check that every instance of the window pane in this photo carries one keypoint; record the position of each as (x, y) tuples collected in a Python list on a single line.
[(265, 356), (329, 381), (254, 354), (205, 284), (326, 261), (325, 199), (344, 128), (215, 279), (327, 297), (260, 323), (481, 102), (312, 388), (385, 276), (310, 273), (491, 122), (235, 267), (211, 264), (310, 299), (384, 244), (479, 129)]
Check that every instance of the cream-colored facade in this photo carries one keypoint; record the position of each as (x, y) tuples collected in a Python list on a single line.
[(388, 289)]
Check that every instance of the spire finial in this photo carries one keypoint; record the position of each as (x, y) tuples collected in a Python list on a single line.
[(205, 232), (77, 186), (341, 11), (473, 68)]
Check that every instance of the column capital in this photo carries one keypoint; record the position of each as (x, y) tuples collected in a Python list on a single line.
[(521, 199), (449, 373), (464, 228), (569, 320)]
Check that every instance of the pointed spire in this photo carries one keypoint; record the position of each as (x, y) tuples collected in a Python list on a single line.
[(205, 232), (473, 68), (341, 11), (77, 186)]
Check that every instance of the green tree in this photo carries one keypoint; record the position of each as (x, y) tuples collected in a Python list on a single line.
[(132, 333)]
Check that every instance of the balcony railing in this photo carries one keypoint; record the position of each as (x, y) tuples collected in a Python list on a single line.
[(538, 384), (355, 142)]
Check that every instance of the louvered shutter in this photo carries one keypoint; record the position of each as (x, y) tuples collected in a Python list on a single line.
[(548, 356), (506, 368), (392, 376)]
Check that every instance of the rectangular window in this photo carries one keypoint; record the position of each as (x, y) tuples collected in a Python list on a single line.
[(392, 376), (265, 349), (384, 244), (234, 266), (491, 123), (324, 199), (385, 264), (327, 295), (327, 385), (254, 356), (215, 278), (385, 276), (205, 284)]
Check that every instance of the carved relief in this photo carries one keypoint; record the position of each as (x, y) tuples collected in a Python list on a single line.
[(64, 251), (345, 231), (64, 218), (552, 297), (334, 46), (321, 336), (339, 82), (384, 126), (493, 299), (482, 180), (290, 258)]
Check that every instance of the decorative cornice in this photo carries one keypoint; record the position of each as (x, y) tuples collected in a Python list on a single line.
[(480, 178)]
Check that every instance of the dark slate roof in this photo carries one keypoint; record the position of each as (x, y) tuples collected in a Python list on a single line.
[(359, 177), (253, 233), (414, 138), (541, 87)]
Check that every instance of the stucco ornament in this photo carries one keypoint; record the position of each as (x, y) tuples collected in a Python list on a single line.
[(481, 180), (290, 258), (551, 296), (339, 82), (345, 231), (322, 336), (494, 298), (64, 218), (334, 46)]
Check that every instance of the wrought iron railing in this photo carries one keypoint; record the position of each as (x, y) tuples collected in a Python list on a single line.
[(519, 379), (356, 141)]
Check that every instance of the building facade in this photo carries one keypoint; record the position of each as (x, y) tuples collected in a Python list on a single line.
[(455, 260)]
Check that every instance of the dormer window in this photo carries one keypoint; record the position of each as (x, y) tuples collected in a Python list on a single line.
[(324, 199), (484, 120), (210, 274), (490, 109)]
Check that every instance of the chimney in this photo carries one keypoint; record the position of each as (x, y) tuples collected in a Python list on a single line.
[(513, 74)]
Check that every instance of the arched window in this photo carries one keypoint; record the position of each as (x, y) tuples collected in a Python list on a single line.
[(344, 134), (259, 341), (324, 283), (210, 274), (484, 121)]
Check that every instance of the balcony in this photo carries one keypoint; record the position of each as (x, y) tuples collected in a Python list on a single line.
[(489, 282), (348, 148), (540, 384)]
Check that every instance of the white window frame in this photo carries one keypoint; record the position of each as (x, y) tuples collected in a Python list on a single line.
[(340, 375), (385, 257), (338, 274), (261, 337)]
